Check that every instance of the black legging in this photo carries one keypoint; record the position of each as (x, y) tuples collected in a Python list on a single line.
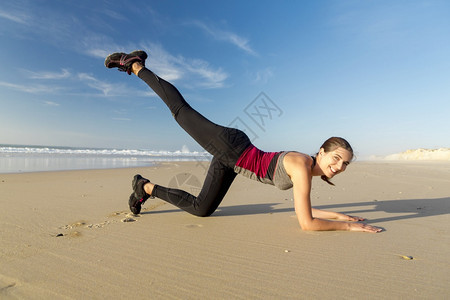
[(225, 144)]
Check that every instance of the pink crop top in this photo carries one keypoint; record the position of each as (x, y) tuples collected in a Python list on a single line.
[(266, 167)]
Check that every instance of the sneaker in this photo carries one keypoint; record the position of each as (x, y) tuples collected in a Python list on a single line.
[(124, 61), (139, 196), (135, 204)]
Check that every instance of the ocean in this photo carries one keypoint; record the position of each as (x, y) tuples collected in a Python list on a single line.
[(28, 158)]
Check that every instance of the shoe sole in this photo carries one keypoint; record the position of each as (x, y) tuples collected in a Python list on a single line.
[(135, 181), (133, 209), (141, 53)]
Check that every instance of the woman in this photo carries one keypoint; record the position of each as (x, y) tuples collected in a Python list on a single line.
[(233, 154)]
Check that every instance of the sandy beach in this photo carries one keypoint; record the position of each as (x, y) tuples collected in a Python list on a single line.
[(69, 235)]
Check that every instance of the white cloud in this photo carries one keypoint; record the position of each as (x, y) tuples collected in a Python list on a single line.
[(101, 53), (14, 16), (227, 36), (74, 34), (51, 103), (66, 83), (263, 76), (163, 63), (105, 87), (198, 72), (215, 78), (50, 75), (30, 88), (113, 14)]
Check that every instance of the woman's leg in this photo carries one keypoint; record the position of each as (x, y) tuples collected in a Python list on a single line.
[(226, 144), (216, 185)]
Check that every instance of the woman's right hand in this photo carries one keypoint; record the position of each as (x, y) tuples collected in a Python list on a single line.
[(364, 227)]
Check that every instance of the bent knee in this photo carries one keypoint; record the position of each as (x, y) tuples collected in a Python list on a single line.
[(203, 213)]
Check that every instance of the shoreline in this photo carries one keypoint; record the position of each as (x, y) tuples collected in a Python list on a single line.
[(18, 159), (98, 166), (64, 236), (156, 163)]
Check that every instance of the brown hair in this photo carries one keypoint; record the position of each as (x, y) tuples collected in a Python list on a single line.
[(332, 144)]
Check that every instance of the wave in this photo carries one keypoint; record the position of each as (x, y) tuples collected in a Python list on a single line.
[(31, 150), (18, 158)]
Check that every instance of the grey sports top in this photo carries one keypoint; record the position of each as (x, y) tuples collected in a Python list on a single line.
[(265, 167), (280, 178)]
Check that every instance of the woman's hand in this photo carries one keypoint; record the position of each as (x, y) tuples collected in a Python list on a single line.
[(364, 228), (358, 226), (343, 217)]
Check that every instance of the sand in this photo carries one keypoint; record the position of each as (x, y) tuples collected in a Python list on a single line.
[(63, 236)]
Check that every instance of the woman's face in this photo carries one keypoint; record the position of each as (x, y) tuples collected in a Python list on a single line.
[(334, 162)]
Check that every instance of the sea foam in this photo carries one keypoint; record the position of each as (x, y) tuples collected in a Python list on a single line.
[(10, 149), (18, 158)]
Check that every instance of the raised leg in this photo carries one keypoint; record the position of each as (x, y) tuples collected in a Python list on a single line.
[(224, 143)]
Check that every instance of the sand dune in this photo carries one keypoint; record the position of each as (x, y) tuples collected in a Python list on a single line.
[(442, 154)]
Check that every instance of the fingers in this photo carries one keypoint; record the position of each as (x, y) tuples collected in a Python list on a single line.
[(365, 228), (373, 229), (355, 218)]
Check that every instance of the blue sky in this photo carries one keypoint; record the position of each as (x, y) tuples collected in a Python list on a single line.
[(374, 72)]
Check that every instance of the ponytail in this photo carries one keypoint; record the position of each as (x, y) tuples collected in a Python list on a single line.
[(325, 178)]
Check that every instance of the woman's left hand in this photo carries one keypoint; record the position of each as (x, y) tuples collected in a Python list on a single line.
[(355, 218), (343, 217)]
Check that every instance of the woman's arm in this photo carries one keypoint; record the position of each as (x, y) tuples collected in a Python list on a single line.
[(310, 222), (324, 214), (299, 168)]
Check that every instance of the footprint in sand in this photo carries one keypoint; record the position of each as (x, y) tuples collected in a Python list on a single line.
[(6, 284), (126, 218), (129, 217), (2, 289), (73, 225), (99, 225), (194, 226), (74, 234), (116, 214), (70, 234)]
